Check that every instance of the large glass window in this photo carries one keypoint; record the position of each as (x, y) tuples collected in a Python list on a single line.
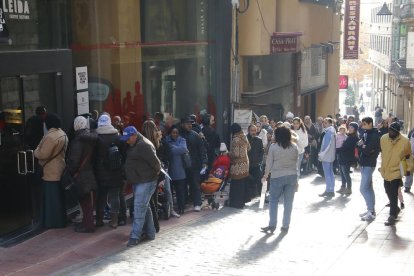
[(313, 69), (35, 24)]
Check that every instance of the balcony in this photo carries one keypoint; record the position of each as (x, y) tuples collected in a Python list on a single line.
[(398, 68), (407, 11)]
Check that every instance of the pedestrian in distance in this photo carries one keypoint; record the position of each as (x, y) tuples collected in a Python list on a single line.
[(409, 179), (51, 153), (395, 152), (303, 141), (142, 168), (80, 161), (369, 149), (346, 158), (255, 154), (239, 168), (327, 157), (281, 163)]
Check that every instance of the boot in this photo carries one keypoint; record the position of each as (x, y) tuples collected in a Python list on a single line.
[(114, 220)]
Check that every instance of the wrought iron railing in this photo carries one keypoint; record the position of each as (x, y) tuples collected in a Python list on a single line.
[(399, 69)]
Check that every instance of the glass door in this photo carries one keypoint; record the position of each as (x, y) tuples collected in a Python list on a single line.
[(20, 195)]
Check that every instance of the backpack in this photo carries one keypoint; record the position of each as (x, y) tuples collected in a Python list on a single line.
[(113, 159)]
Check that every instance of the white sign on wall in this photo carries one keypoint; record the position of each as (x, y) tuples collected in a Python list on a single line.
[(243, 117), (83, 102), (81, 78), (410, 50)]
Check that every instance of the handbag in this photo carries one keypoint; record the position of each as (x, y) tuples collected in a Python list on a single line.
[(186, 160), (67, 180)]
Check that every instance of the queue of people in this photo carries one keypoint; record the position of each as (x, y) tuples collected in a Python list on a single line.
[(105, 156)]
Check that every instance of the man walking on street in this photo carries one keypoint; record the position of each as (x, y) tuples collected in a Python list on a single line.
[(369, 148), (255, 154), (395, 150), (327, 157), (142, 168)]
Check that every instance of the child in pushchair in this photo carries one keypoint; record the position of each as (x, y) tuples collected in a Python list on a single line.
[(214, 187)]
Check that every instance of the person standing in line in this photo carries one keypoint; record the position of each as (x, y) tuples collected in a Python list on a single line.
[(346, 158), (327, 157), (409, 179), (255, 154), (239, 167), (281, 163), (395, 149), (81, 158), (51, 155), (261, 133), (142, 168), (212, 139), (369, 149), (110, 179), (303, 140)]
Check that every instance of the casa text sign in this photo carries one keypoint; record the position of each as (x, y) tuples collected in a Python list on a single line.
[(284, 43), (351, 29)]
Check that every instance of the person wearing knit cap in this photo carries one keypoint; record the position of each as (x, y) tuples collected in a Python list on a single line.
[(110, 179), (396, 162), (80, 166), (347, 158)]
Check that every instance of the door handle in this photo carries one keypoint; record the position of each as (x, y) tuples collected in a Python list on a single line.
[(30, 156), (19, 168)]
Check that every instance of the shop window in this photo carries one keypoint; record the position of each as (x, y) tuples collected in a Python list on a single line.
[(314, 73)]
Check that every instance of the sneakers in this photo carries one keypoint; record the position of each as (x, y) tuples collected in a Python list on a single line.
[(327, 194), (369, 216), (407, 190), (197, 208), (174, 214), (341, 190), (402, 205), (390, 221), (347, 191), (132, 242)]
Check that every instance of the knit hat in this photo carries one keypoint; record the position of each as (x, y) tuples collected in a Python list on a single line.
[(395, 126), (104, 120), (289, 115), (223, 147), (80, 123), (354, 125)]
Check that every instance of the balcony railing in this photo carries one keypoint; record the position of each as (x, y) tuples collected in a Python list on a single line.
[(398, 68)]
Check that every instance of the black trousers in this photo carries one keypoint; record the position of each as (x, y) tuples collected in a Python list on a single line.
[(391, 188)]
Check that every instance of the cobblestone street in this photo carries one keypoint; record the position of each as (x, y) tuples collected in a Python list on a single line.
[(326, 237)]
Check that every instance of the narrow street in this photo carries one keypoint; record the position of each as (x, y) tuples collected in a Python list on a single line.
[(326, 237)]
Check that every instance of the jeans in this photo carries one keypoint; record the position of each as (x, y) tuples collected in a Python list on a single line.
[(284, 185), (193, 178), (346, 178), (391, 189), (168, 192), (299, 163), (366, 188), (181, 192), (143, 221), (329, 176), (408, 181)]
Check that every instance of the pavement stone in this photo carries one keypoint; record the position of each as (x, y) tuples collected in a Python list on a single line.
[(326, 237)]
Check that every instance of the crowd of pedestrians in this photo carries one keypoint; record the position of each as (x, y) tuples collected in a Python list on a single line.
[(103, 155)]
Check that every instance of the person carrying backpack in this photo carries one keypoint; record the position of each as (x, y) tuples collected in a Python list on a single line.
[(109, 173)]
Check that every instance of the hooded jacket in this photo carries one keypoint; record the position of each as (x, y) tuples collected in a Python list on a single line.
[(328, 149), (393, 152)]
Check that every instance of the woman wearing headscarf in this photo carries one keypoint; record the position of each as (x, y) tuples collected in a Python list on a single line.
[(51, 155), (281, 163), (239, 167), (80, 166)]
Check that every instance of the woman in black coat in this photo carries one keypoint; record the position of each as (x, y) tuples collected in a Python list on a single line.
[(347, 158), (80, 166), (109, 176)]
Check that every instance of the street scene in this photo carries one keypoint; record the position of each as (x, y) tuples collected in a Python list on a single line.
[(226, 137)]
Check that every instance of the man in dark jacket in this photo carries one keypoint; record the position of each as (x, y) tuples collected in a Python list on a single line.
[(142, 168), (369, 148), (212, 139), (199, 160), (255, 162)]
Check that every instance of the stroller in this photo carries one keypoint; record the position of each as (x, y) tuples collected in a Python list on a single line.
[(215, 188)]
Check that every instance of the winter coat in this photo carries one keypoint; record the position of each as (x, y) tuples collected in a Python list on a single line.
[(213, 143), (393, 151), (256, 151), (164, 154), (239, 147), (55, 142), (328, 149), (313, 135), (82, 152), (368, 155), (142, 164), (196, 148), (177, 148), (107, 135), (346, 153), (302, 141)]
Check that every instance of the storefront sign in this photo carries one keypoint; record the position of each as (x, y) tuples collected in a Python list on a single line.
[(13, 116), (284, 43), (16, 9), (351, 32), (83, 102), (343, 82), (4, 32), (81, 78)]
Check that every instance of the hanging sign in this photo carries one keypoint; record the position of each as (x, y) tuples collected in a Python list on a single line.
[(4, 31), (343, 82), (81, 78), (351, 29), (284, 42)]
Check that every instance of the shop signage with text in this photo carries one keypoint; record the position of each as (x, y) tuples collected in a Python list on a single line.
[(351, 29), (343, 82), (284, 43)]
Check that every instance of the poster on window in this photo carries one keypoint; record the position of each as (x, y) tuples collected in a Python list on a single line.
[(4, 31), (351, 29), (81, 78), (243, 117)]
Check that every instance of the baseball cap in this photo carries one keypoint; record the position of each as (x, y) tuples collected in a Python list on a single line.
[(128, 132), (187, 119)]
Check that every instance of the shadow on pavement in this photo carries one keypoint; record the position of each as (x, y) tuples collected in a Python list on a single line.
[(339, 202)]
